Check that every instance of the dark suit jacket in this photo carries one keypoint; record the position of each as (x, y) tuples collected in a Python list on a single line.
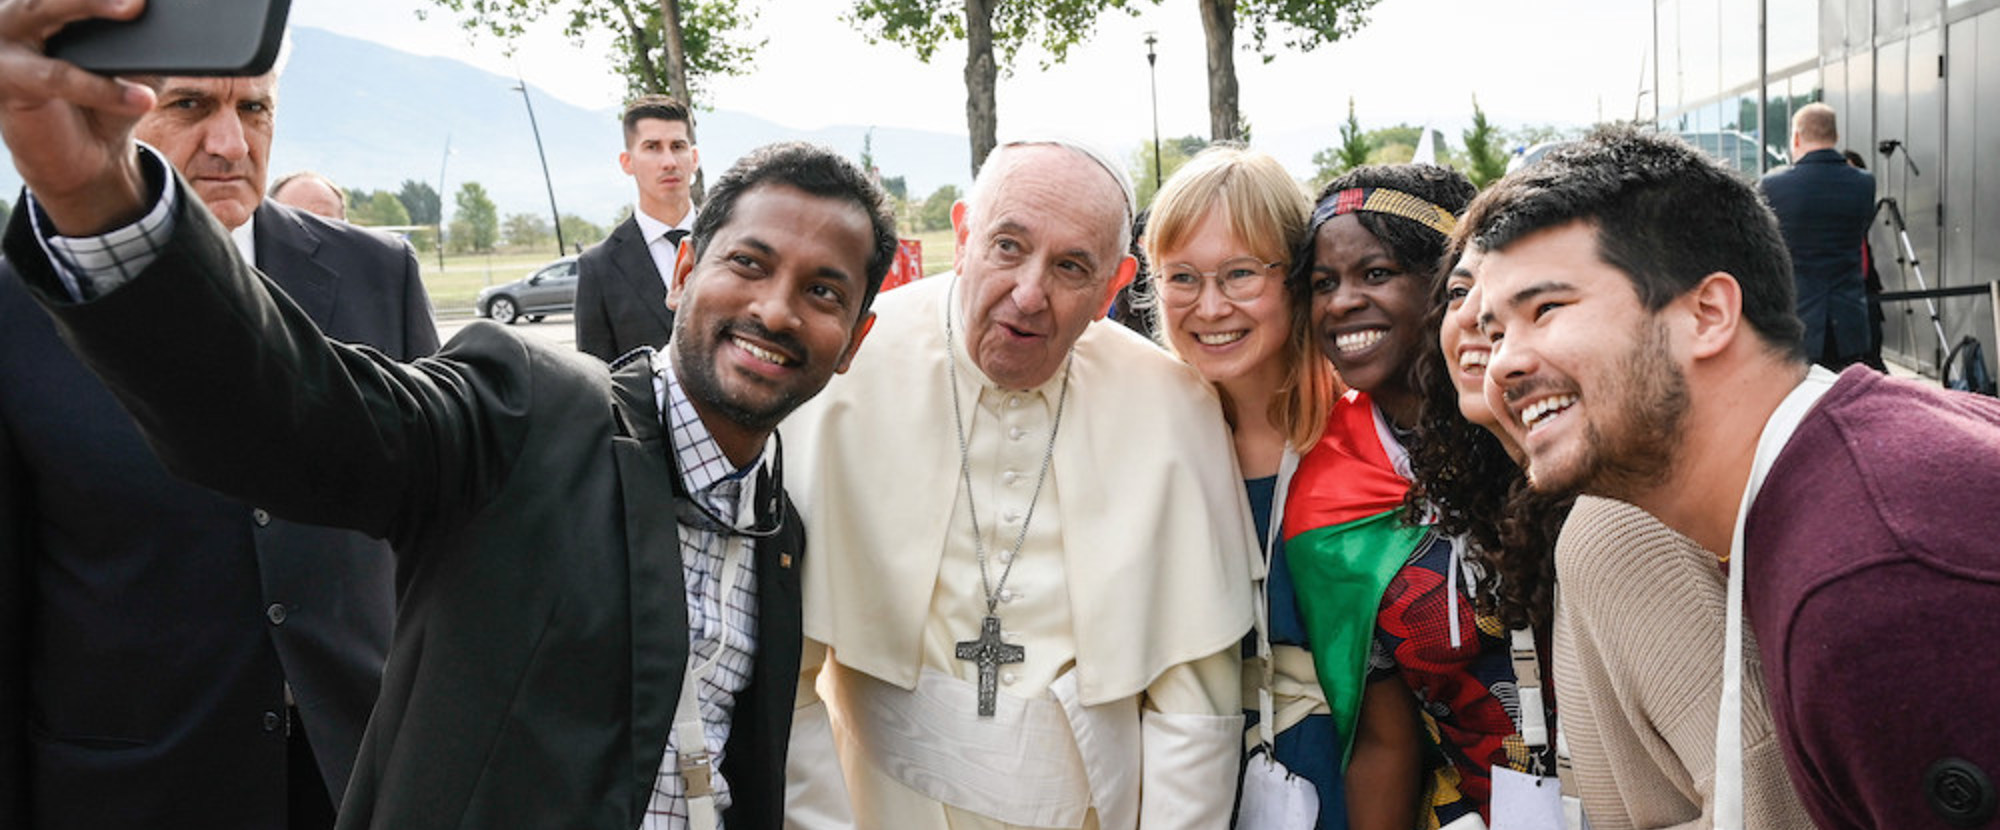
[(621, 302), (148, 625), (1823, 207), (541, 633)]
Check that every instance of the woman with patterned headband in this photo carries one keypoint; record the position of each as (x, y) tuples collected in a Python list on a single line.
[(1221, 238), (1387, 602)]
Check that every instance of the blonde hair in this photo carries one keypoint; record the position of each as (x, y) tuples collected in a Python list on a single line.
[(1267, 212)]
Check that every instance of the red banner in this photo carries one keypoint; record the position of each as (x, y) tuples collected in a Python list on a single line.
[(909, 264)]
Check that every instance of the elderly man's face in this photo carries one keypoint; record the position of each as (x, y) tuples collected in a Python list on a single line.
[(1039, 259), (217, 132)]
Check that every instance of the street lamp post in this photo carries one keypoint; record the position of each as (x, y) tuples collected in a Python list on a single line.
[(1153, 72), (561, 246), (440, 195)]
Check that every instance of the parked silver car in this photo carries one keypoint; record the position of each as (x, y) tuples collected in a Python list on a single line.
[(549, 289)]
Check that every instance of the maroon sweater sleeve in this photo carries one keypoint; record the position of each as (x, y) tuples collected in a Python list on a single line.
[(1872, 560)]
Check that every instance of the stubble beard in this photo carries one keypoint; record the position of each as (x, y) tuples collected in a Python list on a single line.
[(1635, 453), (700, 378)]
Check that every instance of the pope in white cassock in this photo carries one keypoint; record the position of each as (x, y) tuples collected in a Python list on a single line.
[(1029, 569)]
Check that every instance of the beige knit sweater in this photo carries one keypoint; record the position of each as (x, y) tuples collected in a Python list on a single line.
[(1639, 635)]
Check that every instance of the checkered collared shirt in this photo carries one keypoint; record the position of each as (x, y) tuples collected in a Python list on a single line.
[(714, 622), (721, 630)]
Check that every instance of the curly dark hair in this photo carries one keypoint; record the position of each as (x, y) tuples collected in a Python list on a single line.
[(1466, 483)]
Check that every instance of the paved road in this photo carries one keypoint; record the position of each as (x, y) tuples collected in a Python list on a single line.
[(559, 329)]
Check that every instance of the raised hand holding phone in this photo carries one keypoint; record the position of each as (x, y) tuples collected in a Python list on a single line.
[(69, 130)]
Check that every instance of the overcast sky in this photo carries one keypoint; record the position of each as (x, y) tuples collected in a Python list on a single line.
[(1568, 62)]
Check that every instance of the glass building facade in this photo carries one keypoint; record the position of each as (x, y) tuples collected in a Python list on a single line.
[(1727, 74)]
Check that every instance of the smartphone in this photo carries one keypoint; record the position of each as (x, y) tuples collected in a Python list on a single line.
[(179, 37)]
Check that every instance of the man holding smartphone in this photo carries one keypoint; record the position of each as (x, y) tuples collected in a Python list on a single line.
[(597, 571), (174, 657)]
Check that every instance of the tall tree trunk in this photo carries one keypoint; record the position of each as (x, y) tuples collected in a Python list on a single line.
[(677, 79), (1218, 22), (980, 76)]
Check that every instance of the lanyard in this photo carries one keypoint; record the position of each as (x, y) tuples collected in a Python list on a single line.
[(690, 738)]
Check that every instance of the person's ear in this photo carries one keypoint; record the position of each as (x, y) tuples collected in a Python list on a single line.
[(1715, 306), (683, 266), (861, 330)]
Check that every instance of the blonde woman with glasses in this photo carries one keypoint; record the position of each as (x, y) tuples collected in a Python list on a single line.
[(1220, 240)]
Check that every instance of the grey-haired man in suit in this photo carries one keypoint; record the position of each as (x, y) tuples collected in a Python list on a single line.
[(170, 657)]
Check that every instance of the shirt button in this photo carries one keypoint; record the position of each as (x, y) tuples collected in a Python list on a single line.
[(1010, 477), (1008, 595), (1011, 516), (1016, 433), (1014, 402), (273, 721), (1007, 678), (1006, 556), (261, 517), (275, 613)]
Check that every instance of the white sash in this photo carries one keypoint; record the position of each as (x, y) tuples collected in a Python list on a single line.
[(1020, 766), (1729, 714)]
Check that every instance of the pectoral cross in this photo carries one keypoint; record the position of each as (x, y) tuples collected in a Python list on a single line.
[(990, 653)]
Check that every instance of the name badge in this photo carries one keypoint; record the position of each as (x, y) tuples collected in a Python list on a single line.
[(1526, 802)]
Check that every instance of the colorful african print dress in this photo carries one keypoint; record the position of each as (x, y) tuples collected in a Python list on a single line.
[(1464, 688), (1377, 597)]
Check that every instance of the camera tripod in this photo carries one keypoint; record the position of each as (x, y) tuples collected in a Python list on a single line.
[(1906, 254)]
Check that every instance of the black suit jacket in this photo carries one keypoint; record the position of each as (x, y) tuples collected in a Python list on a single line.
[(542, 630), (148, 625), (1823, 207), (621, 302)]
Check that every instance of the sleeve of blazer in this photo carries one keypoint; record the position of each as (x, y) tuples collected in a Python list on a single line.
[(593, 318), (236, 389), (420, 332), (14, 789)]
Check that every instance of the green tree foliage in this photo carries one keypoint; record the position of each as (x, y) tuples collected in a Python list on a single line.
[(581, 231), (1485, 149), (935, 215), (6, 212), (994, 32), (375, 208), (1309, 24), (896, 186), (420, 200), (526, 230), (641, 51), (480, 220), (1174, 152), (1353, 151)]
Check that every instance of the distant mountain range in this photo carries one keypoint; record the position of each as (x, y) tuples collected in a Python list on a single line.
[(370, 117)]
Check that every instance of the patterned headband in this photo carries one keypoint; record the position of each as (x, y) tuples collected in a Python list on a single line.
[(1384, 200)]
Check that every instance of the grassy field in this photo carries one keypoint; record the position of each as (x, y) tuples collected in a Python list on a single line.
[(454, 286)]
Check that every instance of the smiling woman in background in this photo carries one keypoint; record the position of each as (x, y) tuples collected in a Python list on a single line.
[(1221, 239)]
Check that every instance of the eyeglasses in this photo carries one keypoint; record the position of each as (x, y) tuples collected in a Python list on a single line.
[(1240, 280)]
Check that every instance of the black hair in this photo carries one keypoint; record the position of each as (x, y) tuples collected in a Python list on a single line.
[(815, 171), (1465, 482), (1666, 214)]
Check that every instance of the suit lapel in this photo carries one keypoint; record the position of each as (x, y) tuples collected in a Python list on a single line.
[(287, 252), (658, 589), (634, 261)]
